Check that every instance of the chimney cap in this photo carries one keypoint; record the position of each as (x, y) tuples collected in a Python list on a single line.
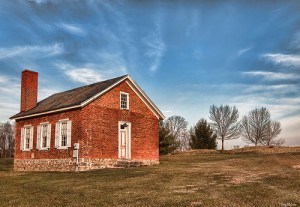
[(26, 70)]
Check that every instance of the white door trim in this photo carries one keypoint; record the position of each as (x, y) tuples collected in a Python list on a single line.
[(128, 139)]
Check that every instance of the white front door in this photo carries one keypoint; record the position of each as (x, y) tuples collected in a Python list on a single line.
[(124, 140)]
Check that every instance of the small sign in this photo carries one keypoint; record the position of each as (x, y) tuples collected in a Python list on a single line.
[(75, 153)]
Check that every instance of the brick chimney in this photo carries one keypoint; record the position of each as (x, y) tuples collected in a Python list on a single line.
[(29, 90)]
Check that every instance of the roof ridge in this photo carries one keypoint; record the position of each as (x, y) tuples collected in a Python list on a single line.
[(122, 76)]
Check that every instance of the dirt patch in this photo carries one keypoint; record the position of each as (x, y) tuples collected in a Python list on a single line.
[(197, 203), (296, 167), (186, 189), (247, 178)]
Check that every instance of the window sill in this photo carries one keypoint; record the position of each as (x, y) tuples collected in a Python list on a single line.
[(43, 149), (62, 148), (26, 150)]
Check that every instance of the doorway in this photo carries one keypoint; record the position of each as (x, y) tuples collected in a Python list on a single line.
[(124, 140)]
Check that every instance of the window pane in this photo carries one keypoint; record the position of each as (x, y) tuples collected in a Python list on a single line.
[(63, 134), (124, 101), (27, 137), (44, 135)]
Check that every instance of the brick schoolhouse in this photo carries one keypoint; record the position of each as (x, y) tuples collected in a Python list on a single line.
[(111, 123)]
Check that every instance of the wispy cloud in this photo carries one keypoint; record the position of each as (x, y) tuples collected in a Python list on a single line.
[(75, 29), (46, 92), (283, 59), (280, 88), (156, 48), (270, 76), (39, 1), (47, 50), (244, 50), (84, 75), (296, 42), (112, 62), (278, 107), (91, 73)]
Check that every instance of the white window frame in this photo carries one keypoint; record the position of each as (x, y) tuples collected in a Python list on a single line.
[(127, 105), (23, 142), (39, 141), (58, 134)]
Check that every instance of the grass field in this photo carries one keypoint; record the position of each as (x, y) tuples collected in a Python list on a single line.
[(180, 180)]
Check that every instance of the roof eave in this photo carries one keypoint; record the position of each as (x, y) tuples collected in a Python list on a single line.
[(46, 112)]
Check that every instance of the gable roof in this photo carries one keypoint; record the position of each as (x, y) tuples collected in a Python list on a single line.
[(79, 97)]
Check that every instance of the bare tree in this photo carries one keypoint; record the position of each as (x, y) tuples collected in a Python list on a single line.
[(2, 141), (255, 125), (6, 139), (272, 131), (178, 128), (185, 138), (279, 141), (225, 122)]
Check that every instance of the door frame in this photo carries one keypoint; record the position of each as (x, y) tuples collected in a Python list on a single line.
[(128, 140)]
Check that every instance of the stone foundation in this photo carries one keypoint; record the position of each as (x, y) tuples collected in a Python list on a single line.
[(84, 164)]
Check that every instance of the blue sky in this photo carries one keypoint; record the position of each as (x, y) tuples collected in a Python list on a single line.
[(186, 55)]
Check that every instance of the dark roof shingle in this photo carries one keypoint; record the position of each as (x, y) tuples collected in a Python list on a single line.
[(69, 98)]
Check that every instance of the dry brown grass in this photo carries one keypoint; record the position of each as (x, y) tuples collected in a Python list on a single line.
[(245, 179)]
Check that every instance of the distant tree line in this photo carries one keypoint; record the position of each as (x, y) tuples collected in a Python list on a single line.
[(6, 140), (256, 127)]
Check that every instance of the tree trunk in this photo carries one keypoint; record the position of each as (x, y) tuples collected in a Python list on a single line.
[(222, 145)]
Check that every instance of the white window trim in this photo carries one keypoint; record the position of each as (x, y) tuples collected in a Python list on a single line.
[(59, 134), (23, 139), (41, 148), (127, 94)]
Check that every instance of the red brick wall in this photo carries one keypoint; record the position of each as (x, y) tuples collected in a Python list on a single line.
[(95, 127), (52, 153), (101, 120), (29, 90)]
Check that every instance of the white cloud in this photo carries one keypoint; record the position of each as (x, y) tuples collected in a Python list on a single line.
[(72, 28), (167, 111), (46, 50), (156, 48), (291, 130), (244, 50), (282, 59), (112, 62), (84, 75), (271, 88), (46, 92), (91, 73), (271, 75), (296, 42), (279, 107), (39, 1), (10, 91), (4, 79)]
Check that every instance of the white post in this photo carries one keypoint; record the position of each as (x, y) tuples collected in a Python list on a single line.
[(76, 155)]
